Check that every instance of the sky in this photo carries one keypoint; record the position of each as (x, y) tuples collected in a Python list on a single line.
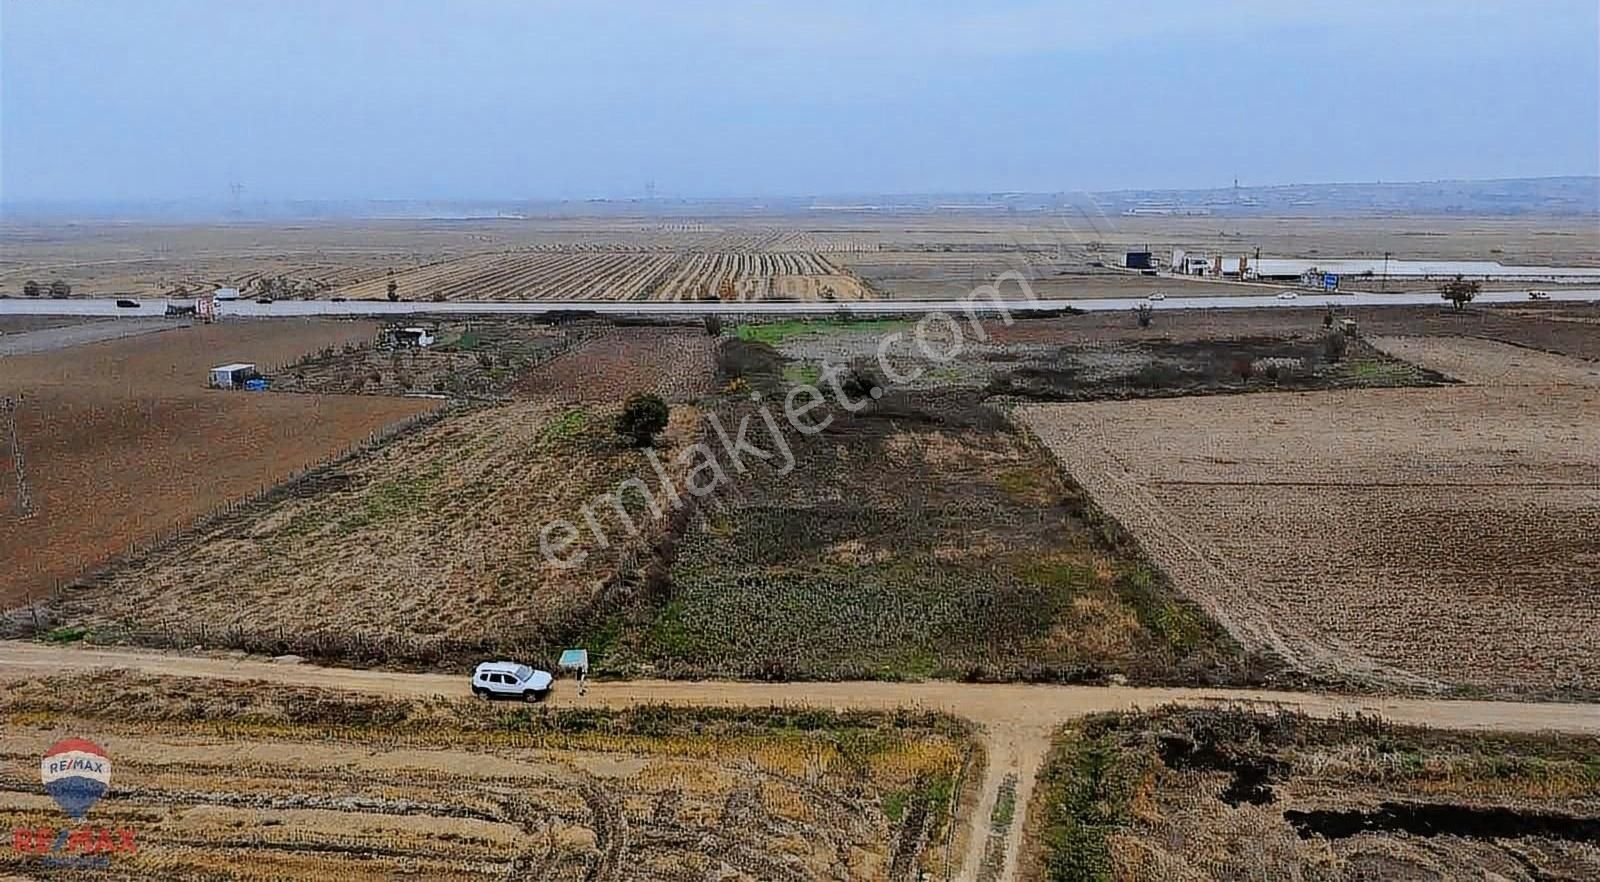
[(523, 99)]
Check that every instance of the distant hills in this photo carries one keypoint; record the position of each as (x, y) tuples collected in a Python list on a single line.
[(1555, 196)]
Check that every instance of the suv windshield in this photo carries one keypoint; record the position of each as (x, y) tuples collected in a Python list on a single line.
[(524, 672)]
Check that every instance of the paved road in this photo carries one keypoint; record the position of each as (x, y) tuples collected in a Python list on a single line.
[(46, 339), (293, 308), (1017, 719)]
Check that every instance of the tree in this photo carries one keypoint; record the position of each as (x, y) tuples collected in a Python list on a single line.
[(394, 290), (1460, 291), (30, 288), (713, 325), (643, 415), (1146, 314), (1334, 345), (59, 288)]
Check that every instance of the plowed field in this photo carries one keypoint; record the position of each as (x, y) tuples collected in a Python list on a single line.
[(1427, 537), (121, 441)]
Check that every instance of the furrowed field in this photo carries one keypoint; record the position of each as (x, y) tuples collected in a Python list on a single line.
[(1430, 538), (252, 782)]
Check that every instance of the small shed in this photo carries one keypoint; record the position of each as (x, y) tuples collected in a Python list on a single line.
[(405, 338), (232, 376)]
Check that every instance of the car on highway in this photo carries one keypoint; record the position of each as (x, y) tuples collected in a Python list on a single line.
[(1157, 296), (1288, 295), (508, 679), (1538, 295)]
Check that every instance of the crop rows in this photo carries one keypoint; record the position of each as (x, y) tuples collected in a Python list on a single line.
[(565, 273)]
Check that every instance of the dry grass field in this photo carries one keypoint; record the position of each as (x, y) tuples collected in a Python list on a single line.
[(1426, 538), (121, 441), (253, 782), (424, 550), (1192, 795)]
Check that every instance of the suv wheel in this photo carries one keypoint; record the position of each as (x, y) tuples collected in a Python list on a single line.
[(481, 693), (531, 696)]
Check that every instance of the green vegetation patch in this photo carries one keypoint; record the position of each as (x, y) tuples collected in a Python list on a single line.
[(775, 333)]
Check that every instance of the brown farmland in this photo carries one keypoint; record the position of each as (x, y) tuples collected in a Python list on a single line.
[(1423, 537), (121, 441), (254, 782)]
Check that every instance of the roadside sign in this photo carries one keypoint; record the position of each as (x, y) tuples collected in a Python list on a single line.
[(1330, 281)]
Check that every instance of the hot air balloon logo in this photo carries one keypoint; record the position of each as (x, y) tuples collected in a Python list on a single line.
[(76, 774)]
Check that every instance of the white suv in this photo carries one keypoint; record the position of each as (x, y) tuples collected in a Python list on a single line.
[(506, 679)]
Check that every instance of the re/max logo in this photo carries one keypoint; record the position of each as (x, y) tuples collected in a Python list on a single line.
[(78, 841), (78, 764)]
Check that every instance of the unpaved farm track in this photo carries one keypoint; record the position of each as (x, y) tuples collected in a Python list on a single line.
[(1017, 719)]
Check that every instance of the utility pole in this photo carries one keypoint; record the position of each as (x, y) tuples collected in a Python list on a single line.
[(1385, 288), (24, 504)]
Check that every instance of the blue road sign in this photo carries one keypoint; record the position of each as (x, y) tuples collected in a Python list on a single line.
[(1330, 281)]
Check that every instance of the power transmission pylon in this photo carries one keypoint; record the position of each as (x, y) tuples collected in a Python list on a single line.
[(24, 504)]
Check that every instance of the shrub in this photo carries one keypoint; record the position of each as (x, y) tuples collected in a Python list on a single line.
[(1334, 345), (642, 417), (59, 288), (858, 382), (1146, 314), (713, 326), (1244, 369), (30, 288)]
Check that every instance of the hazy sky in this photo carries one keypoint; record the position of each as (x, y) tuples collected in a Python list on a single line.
[(163, 99)]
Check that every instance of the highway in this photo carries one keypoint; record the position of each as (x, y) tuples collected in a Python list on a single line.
[(634, 308)]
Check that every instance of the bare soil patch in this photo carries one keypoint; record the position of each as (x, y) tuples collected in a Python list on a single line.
[(1422, 538), (1490, 362), (679, 364)]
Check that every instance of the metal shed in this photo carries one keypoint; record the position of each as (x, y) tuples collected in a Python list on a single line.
[(232, 376)]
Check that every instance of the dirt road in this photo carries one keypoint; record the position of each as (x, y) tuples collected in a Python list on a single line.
[(1016, 718)]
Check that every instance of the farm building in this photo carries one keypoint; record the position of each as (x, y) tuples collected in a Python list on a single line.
[(1186, 264), (1230, 267), (1139, 260), (232, 376), (406, 338), (1285, 269)]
